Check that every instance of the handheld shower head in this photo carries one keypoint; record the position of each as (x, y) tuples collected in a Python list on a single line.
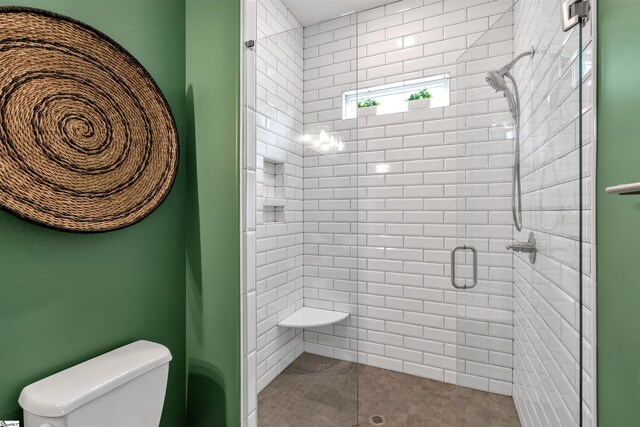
[(496, 81)]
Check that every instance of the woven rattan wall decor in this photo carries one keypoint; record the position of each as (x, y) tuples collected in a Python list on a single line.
[(87, 141)]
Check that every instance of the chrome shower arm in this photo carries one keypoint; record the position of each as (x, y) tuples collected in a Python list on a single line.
[(504, 70)]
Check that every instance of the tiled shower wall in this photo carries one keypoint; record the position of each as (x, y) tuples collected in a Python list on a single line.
[(279, 128), (546, 312), (380, 215), (393, 228)]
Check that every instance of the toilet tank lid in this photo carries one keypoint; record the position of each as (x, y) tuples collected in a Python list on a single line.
[(61, 393)]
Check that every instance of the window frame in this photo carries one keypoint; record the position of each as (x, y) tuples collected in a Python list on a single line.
[(407, 87)]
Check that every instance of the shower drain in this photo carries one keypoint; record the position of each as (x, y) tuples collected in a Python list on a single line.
[(377, 420)]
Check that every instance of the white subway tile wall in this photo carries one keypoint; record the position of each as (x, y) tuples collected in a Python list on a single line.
[(546, 298), (273, 18), (380, 216), (279, 239)]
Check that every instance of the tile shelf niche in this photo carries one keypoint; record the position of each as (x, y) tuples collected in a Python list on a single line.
[(273, 191), (274, 202)]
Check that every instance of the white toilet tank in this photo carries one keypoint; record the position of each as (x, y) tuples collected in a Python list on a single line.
[(122, 388)]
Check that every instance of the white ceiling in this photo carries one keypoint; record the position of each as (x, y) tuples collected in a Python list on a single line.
[(311, 12)]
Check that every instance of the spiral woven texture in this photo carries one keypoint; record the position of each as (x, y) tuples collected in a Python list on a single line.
[(87, 140)]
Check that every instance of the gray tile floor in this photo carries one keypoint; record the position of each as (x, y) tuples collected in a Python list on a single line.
[(316, 391)]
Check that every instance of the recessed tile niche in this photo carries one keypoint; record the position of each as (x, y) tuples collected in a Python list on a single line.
[(273, 192)]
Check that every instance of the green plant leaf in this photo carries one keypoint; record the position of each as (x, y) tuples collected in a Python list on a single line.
[(368, 103), (422, 94)]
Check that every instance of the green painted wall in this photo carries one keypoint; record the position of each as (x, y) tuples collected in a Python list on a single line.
[(213, 227), (68, 297), (618, 217)]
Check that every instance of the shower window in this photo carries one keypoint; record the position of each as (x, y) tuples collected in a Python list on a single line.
[(393, 96)]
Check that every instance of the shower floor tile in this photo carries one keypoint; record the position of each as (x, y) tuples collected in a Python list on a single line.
[(316, 391)]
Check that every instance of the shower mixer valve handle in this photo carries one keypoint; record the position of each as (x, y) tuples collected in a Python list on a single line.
[(528, 247), (525, 247)]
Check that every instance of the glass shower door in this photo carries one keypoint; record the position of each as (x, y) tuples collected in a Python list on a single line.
[(516, 258), (306, 246)]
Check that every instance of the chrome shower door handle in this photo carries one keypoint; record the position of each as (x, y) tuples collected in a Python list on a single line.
[(475, 266)]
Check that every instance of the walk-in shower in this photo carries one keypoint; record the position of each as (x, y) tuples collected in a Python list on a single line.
[(496, 80), (379, 287)]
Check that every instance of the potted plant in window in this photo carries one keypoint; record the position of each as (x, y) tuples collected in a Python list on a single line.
[(419, 100), (368, 107)]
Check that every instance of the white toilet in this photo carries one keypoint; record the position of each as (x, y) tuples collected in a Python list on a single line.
[(122, 388)]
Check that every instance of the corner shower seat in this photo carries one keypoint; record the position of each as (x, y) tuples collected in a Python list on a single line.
[(308, 317)]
